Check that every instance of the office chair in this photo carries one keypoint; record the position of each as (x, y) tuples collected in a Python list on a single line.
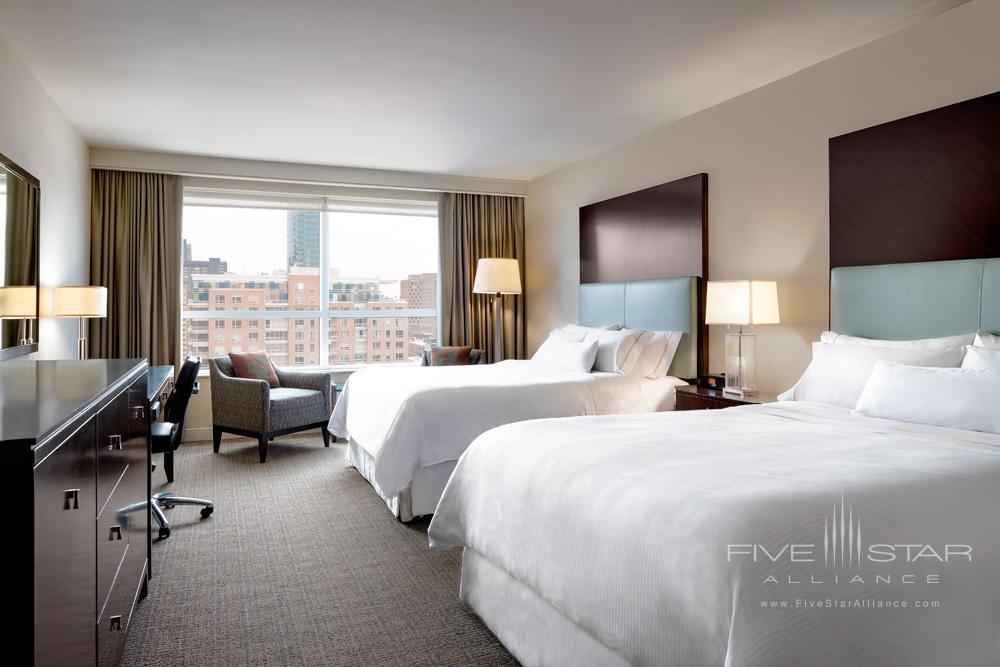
[(167, 436)]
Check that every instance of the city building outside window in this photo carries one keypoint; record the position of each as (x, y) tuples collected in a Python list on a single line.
[(376, 269)]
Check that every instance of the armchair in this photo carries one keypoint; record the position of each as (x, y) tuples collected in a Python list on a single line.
[(254, 409)]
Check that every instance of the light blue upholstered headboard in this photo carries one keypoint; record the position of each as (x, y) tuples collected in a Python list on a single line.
[(920, 300), (660, 304)]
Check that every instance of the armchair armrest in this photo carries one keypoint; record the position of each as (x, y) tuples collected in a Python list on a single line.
[(315, 380), (240, 402)]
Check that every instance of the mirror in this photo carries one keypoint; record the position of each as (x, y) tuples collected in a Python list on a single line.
[(20, 196)]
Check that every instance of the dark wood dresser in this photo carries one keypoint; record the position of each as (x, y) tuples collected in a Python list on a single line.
[(74, 477)]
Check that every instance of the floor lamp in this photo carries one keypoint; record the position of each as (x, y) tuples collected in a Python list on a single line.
[(82, 302), (496, 277)]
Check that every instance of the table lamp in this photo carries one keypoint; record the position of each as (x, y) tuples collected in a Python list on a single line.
[(743, 303), (19, 303), (83, 302), (496, 277)]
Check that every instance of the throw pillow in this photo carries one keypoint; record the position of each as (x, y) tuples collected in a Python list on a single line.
[(453, 355), (254, 366)]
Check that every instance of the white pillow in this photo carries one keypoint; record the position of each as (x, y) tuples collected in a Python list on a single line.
[(952, 397), (922, 343), (585, 329), (673, 342), (612, 348), (838, 373), (989, 340), (646, 354), (563, 334), (981, 357), (567, 354)]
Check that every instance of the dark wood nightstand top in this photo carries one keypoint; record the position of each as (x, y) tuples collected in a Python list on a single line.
[(690, 397)]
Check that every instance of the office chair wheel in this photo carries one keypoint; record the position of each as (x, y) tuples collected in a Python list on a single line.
[(207, 511), (164, 532)]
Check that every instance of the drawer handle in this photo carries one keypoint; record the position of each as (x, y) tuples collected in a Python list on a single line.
[(116, 623), (139, 412), (115, 531), (71, 499), (114, 443)]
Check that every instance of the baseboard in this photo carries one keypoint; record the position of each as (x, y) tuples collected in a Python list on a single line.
[(205, 433)]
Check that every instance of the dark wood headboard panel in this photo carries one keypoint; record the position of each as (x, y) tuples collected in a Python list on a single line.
[(919, 189), (659, 232)]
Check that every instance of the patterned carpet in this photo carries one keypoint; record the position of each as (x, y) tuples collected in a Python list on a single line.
[(301, 564)]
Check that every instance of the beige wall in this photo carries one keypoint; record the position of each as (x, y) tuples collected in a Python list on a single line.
[(766, 156), (35, 134)]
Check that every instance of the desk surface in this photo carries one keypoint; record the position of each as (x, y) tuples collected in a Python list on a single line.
[(38, 396), (156, 378)]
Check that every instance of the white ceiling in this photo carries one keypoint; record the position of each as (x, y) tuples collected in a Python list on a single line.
[(497, 88)]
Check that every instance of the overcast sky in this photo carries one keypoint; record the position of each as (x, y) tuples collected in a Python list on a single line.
[(254, 241)]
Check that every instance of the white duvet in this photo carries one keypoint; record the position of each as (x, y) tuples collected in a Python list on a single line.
[(641, 530), (407, 417)]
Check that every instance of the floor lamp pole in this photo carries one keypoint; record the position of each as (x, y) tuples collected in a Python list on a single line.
[(497, 327)]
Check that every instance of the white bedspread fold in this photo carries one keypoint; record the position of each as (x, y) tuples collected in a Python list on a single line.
[(409, 417), (646, 532)]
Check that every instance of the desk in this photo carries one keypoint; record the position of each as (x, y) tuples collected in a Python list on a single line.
[(159, 384)]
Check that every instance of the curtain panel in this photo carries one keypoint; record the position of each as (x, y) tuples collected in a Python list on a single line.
[(135, 251), (471, 227)]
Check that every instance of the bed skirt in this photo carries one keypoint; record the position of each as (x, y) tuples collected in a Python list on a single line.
[(534, 631), (419, 498)]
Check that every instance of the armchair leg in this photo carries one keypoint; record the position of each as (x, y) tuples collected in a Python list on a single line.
[(216, 438), (326, 436), (262, 447), (168, 465)]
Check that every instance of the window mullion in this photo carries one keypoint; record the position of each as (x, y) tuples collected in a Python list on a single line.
[(324, 286)]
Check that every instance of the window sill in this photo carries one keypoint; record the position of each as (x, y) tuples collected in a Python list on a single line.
[(345, 368)]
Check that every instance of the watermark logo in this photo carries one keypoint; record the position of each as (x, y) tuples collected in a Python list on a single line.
[(842, 537), (841, 548)]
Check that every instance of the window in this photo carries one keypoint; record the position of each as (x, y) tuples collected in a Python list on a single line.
[(343, 273)]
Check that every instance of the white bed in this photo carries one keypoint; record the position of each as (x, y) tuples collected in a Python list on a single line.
[(606, 540), (406, 426)]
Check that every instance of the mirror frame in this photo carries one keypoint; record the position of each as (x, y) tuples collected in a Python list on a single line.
[(21, 350)]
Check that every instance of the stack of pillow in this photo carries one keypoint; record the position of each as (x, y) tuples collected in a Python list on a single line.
[(952, 381), (610, 349)]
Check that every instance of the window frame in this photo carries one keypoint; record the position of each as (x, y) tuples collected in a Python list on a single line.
[(324, 313)]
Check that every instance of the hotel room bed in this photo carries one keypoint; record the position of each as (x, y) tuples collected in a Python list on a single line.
[(407, 426), (629, 539)]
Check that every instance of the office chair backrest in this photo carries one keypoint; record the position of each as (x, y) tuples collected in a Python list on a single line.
[(177, 403)]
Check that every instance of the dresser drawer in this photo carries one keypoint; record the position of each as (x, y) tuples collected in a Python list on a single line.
[(64, 551), (112, 542), (114, 619), (112, 436)]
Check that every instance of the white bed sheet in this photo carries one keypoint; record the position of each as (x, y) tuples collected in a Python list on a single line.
[(623, 525), (411, 417)]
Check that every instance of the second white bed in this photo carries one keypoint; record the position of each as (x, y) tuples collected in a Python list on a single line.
[(406, 426)]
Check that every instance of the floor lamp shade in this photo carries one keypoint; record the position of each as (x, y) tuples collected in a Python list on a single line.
[(743, 303), (496, 277), (83, 302)]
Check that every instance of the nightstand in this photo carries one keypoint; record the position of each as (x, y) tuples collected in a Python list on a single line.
[(690, 397)]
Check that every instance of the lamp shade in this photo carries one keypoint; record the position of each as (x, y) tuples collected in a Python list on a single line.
[(82, 301), (742, 302), (17, 302), (497, 276)]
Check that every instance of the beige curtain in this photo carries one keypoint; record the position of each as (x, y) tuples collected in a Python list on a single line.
[(135, 251), (471, 227)]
